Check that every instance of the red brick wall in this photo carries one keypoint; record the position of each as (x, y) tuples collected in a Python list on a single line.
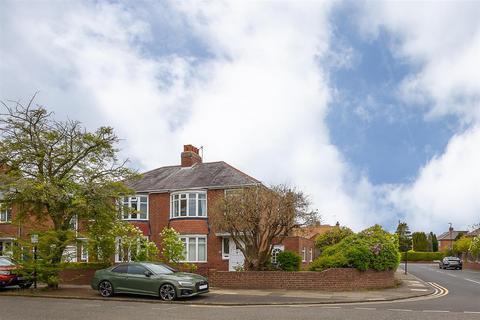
[(77, 276), (471, 265), (297, 244), (159, 216), (23, 230), (332, 279), (444, 244)]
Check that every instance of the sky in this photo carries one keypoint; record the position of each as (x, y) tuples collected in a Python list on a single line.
[(371, 108)]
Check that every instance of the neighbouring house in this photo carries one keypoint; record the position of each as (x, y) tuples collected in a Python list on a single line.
[(473, 233), (446, 239)]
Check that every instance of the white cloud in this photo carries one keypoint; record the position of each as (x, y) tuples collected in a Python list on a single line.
[(258, 101), (442, 41), (447, 188)]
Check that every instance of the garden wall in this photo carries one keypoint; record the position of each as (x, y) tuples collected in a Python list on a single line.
[(471, 265), (81, 276), (340, 279)]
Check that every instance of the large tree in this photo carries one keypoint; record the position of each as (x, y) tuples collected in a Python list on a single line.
[(420, 242), (256, 217), (404, 236), (54, 171)]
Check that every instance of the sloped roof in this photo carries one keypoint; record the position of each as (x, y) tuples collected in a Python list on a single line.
[(313, 231), (201, 175), (474, 233), (446, 235)]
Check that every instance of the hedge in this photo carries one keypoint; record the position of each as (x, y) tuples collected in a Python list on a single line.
[(289, 261), (423, 256), (85, 265)]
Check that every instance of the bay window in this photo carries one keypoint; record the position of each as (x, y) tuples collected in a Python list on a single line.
[(134, 208), (194, 248), (188, 204)]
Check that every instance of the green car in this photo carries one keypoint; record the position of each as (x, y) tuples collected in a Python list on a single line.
[(148, 278)]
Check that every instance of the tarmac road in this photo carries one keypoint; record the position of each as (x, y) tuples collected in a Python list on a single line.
[(461, 302)]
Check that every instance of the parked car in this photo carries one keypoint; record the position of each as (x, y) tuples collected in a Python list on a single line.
[(450, 263), (9, 274), (148, 278)]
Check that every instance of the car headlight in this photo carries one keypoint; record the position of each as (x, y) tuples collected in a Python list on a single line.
[(5, 273), (185, 283)]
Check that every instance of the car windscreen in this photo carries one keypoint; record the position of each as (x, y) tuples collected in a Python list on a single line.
[(5, 262), (453, 259), (158, 268)]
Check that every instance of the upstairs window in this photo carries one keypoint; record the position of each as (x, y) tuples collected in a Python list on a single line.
[(134, 208), (188, 204), (5, 214)]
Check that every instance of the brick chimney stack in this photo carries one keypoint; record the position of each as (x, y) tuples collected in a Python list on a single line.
[(190, 156)]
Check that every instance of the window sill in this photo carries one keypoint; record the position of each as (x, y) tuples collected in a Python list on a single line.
[(135, 219), (5, 222), (193, 261), (189, 217)]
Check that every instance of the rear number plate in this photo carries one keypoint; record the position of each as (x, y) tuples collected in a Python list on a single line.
[(203, 286), (20, 278)]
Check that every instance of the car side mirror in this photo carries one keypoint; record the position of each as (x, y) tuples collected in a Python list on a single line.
[(148, 274)]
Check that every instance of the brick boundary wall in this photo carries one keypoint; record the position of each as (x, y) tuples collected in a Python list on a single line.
[(340, 279), (81, 276), (471, 265)]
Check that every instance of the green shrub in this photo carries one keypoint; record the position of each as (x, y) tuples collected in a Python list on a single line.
[(331, 237), (289, 261), (423, 256), (373, 248), (85, 265)]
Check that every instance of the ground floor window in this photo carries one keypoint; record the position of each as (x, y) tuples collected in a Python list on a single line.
[(275, 253), (311, 254), (304, 254), (126, 252), (6, 247), (195, 248)]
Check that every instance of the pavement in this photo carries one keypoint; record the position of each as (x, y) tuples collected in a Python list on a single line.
[(409, 287)]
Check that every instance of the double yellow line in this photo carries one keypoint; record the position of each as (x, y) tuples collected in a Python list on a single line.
[(439, 290)]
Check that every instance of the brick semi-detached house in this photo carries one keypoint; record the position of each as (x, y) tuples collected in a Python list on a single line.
[(180, 197)]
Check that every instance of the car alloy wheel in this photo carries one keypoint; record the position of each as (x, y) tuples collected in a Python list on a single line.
[(167, 292), (106, 289)]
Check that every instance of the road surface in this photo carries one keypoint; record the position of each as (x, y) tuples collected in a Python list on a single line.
[(461, 302)]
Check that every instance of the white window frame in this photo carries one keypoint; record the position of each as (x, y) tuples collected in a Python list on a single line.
[(197, 236), (4, 242), (84, 250), (275, 251), (5, 214), (187, 192), (225, 256), (129, 251), (129, 205), (70, 253), (304, 254), (311, 254)]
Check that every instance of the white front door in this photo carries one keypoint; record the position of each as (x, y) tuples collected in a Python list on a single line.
[(236, 259)]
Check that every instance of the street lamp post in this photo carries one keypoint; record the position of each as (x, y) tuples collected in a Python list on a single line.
[(406, 261), (34, 240)]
